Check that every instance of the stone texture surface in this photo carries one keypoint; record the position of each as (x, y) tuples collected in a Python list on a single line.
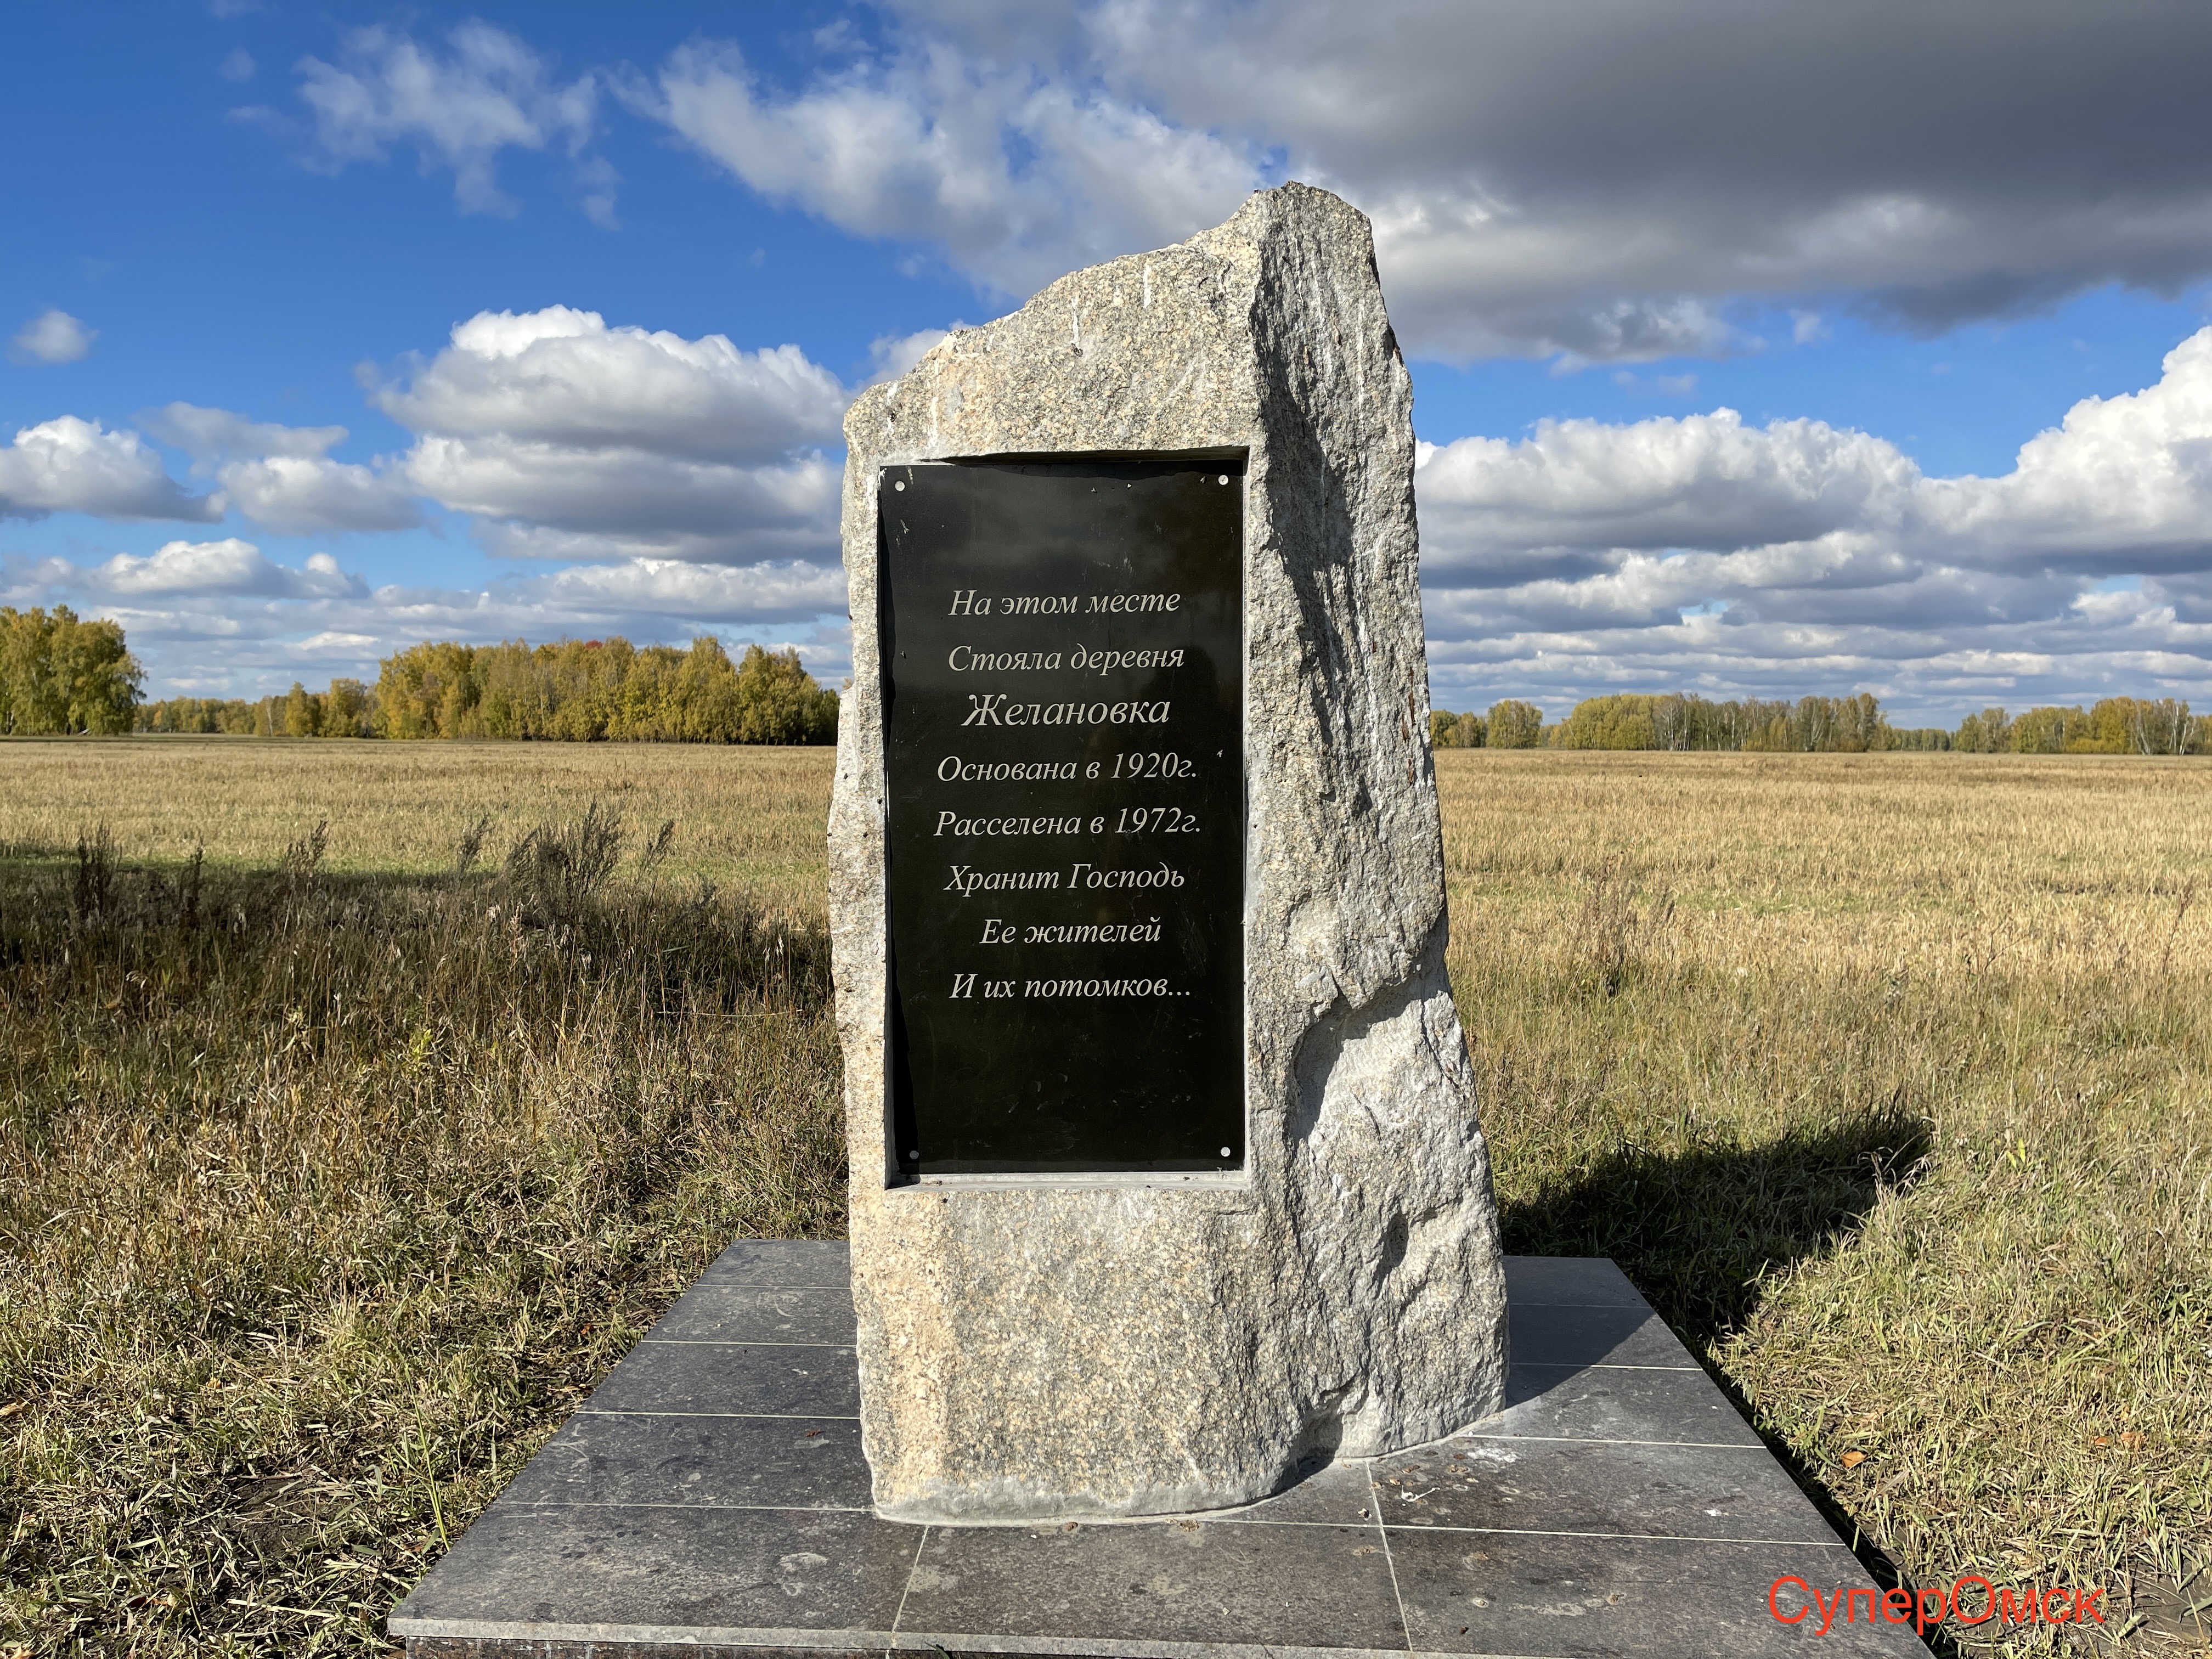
[(1043, 1350), (638, 1540)]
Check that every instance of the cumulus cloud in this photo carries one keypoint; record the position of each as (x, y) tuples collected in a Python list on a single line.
[(210, 436), (489, 93), (660, 487), (221, 618), (281, 476), (568, 438), (1703, 552), (1610, 181), (1705, 481), (51, 336), (228, 567), (304, 495), (748, 595), (563, 377), (2123, 485), (1600, 178), (70, 465), (548, 495), (1014, 173)]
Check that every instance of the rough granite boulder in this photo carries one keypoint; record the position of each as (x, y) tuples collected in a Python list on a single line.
[(1116, 1345)]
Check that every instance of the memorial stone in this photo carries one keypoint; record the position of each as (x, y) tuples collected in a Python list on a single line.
[(1167, 1183)]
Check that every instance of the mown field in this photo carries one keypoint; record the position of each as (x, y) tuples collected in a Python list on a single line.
[(334, 1171)]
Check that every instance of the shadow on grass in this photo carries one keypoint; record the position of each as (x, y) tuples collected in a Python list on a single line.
[(1700, 1230)]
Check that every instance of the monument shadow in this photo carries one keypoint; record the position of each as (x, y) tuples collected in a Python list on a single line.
[(1699, 1232)]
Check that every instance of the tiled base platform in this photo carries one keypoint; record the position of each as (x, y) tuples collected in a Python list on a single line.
[(711, 1499)]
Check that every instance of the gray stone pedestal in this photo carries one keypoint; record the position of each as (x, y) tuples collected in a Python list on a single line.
[(1064, 1347), (711, 1499)]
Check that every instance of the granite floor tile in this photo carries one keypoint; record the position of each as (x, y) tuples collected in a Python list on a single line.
[(766, 1462), (1596, 1598), (1583, 1403), (1569, 1523), (783, 1264), (654, 1574), (1554, 1335), (1188, 1581), (1568, 1280), (464, 1647), (1597, 1486), (739, 1313), (1336, 1493), (777, 1380)]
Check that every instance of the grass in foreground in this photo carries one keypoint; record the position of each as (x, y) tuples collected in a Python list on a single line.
[(325, 1198), (1885, 1076)]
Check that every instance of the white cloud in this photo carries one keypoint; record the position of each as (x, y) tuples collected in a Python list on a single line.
[(52, 336), (563, 377), (70, 465), (225, 567), (217, 435), (627, 495), (1608, 181), (743, 594), (568, 438), (1015, 175), (281, 476), (661, 486), (299, 495), (237, 66), (1703, 553), (492, 93), (1705, 481), (2123, 485), (221, 618)]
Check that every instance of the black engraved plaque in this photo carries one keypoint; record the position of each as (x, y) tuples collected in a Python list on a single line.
[(1063, 707)]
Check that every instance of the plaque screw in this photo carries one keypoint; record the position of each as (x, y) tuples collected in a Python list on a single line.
[(1224, 479), (1226, 1152), (900, 484)]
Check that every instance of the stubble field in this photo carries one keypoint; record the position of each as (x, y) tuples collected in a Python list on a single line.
[(332, 1174)]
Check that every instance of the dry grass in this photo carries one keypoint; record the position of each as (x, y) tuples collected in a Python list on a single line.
[(1884, 1076), (324, 1197), (745, 818)]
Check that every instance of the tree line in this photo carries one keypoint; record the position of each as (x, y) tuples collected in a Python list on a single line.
[(575, 690), (1852, 725), (2116, 725), (60, 673)]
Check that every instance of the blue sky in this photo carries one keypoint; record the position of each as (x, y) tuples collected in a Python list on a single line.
[(1899, 246)]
